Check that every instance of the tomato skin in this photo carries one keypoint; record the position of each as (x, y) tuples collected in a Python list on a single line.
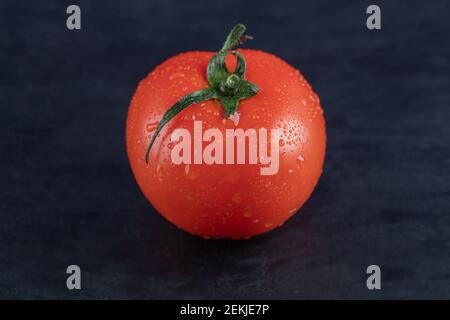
[(227, 201)]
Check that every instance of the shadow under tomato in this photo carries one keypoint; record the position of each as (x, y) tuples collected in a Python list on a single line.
[(186, 266)]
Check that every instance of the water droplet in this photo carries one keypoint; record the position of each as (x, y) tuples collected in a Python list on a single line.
[(236, 198), (268, 225), (300, 158), (159, 172), (170, 145), (235, 118), (152, 126), (191, 173), (281, 142), (176, 75)]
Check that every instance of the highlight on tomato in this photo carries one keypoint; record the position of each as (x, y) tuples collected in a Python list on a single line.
[(226, 144)]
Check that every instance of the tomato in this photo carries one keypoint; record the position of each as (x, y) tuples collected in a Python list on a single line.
[(226, 200)]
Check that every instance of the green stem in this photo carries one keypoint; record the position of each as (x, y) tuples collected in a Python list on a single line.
[(235, 38), (227, 88), (183, 103)]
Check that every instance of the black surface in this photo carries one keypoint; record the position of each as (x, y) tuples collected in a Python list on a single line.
[(67, 195)]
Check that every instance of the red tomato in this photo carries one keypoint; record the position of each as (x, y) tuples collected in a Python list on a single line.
[(227, 200)]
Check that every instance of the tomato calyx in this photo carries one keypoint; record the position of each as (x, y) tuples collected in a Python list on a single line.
[(224, 86), (230, 87)]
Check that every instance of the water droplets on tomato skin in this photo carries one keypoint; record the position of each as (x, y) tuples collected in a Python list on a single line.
[(294, 141), (159, 172), (235, 118), (236, 198), (152, 126), (191, 173), (176, 75)]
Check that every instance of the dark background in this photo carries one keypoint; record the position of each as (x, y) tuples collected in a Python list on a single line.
[(67, 195)]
